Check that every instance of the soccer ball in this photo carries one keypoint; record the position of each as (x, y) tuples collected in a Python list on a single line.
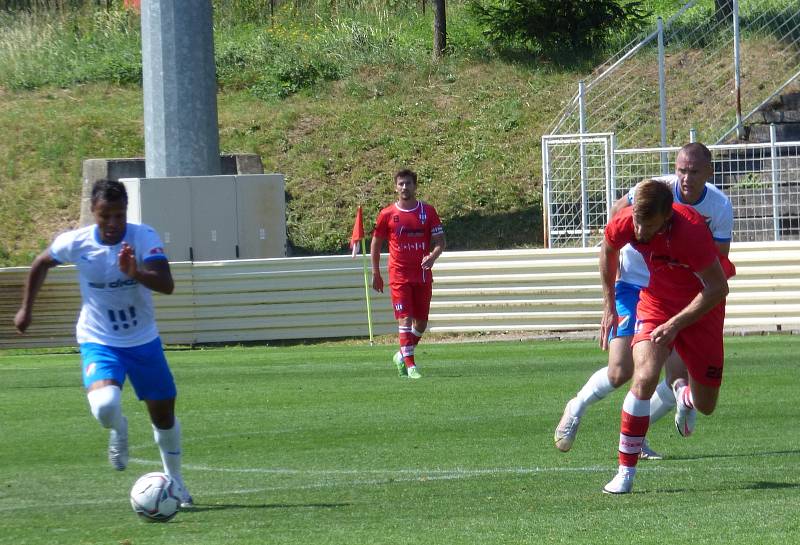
[(153, 497)]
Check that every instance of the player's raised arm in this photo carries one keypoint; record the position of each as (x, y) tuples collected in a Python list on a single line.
[(33, 283), (155, 274)]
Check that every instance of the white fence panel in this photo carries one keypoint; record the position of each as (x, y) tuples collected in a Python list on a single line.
[(323, 297)]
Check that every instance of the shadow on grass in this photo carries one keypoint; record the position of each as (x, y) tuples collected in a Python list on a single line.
[(226, 506), (741, 455)]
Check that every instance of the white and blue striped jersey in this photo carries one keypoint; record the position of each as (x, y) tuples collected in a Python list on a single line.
[(115, 309), (713, 205)]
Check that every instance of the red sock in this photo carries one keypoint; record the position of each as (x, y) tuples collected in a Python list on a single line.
[(407, 344), (633, 427)]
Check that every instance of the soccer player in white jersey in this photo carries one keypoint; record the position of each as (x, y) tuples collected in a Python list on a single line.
[(119, 263), (690, 187)]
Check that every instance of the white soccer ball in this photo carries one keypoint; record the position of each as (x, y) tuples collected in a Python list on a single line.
[(154, 498)]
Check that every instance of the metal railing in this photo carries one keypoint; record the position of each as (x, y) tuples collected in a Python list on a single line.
[(323, 297), (584, 174), (697, 69)]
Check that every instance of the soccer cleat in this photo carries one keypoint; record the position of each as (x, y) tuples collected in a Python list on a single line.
[(566, 430), (118, 446), (622, 483), (186, 500), (413, 373), (648, 453), (685, 418), (400, 364)]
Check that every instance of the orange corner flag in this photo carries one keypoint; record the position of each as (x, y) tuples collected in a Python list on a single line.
[(358, 231)]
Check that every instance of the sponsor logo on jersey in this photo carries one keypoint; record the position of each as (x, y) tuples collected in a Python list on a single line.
[(118, 283)]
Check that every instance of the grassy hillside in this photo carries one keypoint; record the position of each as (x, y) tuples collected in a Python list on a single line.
[(335, 102)]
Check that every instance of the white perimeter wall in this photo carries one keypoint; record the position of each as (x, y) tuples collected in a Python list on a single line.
[(320, 297)]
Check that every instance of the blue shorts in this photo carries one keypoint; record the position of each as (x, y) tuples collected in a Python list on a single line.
[(144, 364), (626, 299)]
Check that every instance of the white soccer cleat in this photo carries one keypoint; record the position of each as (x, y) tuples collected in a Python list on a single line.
[(182, 492), (622, 483), (118, 446), (648, 453), (566, 430), (685, 418)]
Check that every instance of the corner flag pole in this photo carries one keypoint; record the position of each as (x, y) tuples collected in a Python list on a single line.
[(366, 288), (355, 238)]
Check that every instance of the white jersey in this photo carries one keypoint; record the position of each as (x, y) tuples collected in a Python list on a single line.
[(115, 309), (713, 205)]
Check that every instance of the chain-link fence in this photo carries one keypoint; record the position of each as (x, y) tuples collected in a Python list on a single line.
[(685, 75), (762, 181)]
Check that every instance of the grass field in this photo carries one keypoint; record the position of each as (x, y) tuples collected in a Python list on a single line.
[(323, 444)]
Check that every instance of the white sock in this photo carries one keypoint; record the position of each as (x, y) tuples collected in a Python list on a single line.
[(662, 402), (106, 406), (417, 334), (596, 388), (169, 444)]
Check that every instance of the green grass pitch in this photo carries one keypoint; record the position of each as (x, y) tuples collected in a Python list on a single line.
[(324, 444)]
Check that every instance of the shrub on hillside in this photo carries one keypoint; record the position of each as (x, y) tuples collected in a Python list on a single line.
[(556, 25)]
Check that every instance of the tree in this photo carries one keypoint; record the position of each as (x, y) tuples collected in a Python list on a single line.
[(553, 25), (439, 28)]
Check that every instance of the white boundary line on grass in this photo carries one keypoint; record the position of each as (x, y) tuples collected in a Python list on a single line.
[(391, 476)]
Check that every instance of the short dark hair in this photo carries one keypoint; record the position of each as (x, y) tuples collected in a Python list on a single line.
[(697, 148), (109, 191), (652, 198), (406, 173)]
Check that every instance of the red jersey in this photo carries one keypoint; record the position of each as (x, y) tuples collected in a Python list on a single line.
[(673, 256), (409, 234)]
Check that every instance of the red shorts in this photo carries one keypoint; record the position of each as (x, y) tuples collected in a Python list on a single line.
[(699, 345), (412, 299)]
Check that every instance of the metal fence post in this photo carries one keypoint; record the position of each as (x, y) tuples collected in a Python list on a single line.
[(773, 151), (662, 95), (692, 135), (584, 193), (737, 69), (611, 173), (546, 192)]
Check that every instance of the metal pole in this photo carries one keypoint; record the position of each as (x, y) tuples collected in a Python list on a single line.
[(179, 84), (773, 151), (692, 135), (736, 69), (611, 185), (662, 95), (546, 192), (584, 196)]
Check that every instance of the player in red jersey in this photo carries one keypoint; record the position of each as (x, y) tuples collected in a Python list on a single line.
[(416, 240), (683, 308)]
